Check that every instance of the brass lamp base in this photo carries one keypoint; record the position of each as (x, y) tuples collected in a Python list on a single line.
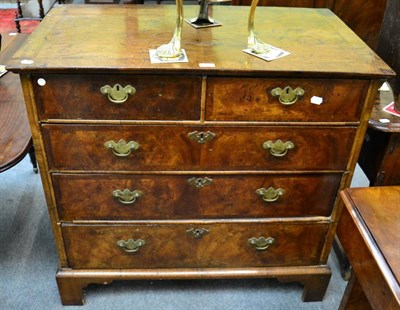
[(253, 43), (203, 20), (172, 50)]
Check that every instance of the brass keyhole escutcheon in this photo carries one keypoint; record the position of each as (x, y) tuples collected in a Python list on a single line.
[(117, 93), (271, 194), (126, 196), (288, 95), (201, 136), (131, 245), (261, 243), (278, 148), (122, 148), (197, 233), (199, 182)]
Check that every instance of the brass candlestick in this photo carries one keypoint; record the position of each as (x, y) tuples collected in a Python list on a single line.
[(255, 45), (173, 48), (203, 20)]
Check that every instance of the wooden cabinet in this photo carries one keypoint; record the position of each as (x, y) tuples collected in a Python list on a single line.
[(201, 172)]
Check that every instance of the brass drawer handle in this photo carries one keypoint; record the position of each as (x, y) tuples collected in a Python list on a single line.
[(199, 182), (197, 233), (122, 148), (201, 137), (126, 196), (278, 148), (288, 95), (117, 94), (131, 246), (271, 194), (261, 243)]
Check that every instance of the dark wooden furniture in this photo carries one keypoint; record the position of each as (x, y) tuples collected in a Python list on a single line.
[(363, 17), (211, 192), (15, 134), (380, 155), (369, 229), (389, 45)]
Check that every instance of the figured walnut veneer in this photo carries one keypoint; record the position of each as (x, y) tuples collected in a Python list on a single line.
[(203, 184)]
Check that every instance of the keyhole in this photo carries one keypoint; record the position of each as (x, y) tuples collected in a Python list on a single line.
[(117, 87)]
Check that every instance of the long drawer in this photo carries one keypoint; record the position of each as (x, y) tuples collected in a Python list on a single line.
[(187, 245), (143, 197), (133, 148), (258, 99), (152, 97)]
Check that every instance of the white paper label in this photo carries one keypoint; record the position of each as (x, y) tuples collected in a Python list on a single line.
[(27, 61), (207, 65), (384, 120), (316, 100)]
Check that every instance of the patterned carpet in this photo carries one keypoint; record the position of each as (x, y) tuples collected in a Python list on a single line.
[(7, 23)]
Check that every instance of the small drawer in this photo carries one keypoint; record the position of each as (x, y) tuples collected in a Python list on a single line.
[(160, 197), (258, 99), (192, 245), (149, 148), (151, 97)]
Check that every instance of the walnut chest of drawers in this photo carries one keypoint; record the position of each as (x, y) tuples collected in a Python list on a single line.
[(198, 172)]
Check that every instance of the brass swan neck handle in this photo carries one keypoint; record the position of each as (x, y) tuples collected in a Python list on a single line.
[(255, 45), (173, 48)]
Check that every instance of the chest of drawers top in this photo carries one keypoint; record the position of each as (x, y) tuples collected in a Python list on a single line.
[(117, 39)]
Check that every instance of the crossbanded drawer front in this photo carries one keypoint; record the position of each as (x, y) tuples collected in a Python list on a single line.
[(128, 97), (187, 245), (284, 100), (143, 197), (133, 148)]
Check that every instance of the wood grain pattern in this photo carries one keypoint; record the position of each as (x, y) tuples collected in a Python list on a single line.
[(79, 97), (170, 246), (89, 197), (380, 209), (354, 297), (363, 17), (71, 284), (170, 148), (370, 220), (307, 34), (15, 137), (15, 134), (288, 3), (250, 99), (75, 161)]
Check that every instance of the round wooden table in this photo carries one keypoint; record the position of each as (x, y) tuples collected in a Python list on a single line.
[(15, 133)]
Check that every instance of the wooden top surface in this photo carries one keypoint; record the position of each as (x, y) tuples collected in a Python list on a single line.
[(15, 133), (379, 208), (116, 37)]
